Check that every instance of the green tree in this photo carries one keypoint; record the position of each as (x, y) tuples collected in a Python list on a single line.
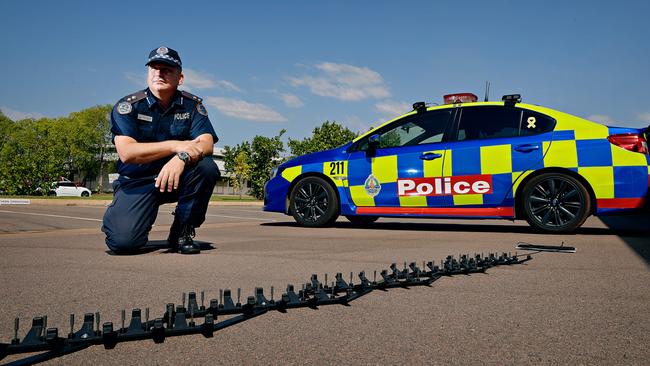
[(85, 135), (32, 156), (6, 125), (327, 136), (237, 163), (263, 154)]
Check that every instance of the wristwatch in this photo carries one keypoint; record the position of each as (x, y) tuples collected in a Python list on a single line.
[(184, 156)]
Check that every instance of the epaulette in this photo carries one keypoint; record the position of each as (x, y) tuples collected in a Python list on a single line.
[(191, 96), (135, 97)]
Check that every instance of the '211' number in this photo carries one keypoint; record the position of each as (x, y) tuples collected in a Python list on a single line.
[(337, 167)]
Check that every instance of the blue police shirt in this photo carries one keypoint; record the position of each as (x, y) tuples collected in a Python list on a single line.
[(141, 117)]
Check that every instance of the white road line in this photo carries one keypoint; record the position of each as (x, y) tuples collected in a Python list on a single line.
[(230, 217), (48, 215), (240, 217)]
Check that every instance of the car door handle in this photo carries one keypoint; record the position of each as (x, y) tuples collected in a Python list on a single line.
[(430, 156), (526, 148)]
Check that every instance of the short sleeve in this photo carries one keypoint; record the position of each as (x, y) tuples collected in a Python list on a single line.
[(201, 125), (123, 125)]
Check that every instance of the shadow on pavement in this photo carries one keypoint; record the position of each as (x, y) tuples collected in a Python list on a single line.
[(639, 222), (452, 227), (154, 245)]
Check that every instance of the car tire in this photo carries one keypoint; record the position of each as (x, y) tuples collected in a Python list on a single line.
[(555, 202), (362, 220), (314, 203), (52, 193), (85, 194)]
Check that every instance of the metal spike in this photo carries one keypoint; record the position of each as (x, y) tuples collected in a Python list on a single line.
[(202, 299), (123, 318), (170, 313), (183, 300), (44, 329), (374, 276), (220, 296), (146, 319), (16, 326), (239, 295), (192, 315), (272, 289), (97, 322), (325, 283), (71, 324), (350, 279)]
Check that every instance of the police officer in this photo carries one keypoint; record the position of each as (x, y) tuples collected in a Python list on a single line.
[(161, 135)]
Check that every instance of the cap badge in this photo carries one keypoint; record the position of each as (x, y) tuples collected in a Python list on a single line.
[(162, 50)]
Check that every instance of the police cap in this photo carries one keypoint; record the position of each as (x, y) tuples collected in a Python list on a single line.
[(165, 55)]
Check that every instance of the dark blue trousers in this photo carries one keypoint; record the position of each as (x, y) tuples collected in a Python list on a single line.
[(128, 219)]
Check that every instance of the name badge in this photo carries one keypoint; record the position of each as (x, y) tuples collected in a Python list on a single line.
[(145, 118)]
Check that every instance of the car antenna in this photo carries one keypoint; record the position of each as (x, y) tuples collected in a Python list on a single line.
[(487, 90)]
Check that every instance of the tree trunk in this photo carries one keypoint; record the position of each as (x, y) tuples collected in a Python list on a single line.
[(100, 181)]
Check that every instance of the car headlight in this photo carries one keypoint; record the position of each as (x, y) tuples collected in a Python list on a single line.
[(274, 172)]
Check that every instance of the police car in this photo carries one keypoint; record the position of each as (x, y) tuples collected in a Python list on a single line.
[(469, 159)]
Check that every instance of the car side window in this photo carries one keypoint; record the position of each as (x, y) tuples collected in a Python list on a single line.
[(417, 129), (533, 123), (487, 122)]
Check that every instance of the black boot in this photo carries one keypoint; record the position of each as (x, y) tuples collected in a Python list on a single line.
[(174, 235), (185, 243)]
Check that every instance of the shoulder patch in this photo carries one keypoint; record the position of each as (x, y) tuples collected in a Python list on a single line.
[(124, 108), (135, 97), (191, 96), (201, 109)]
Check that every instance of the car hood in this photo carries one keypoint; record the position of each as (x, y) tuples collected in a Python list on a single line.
[(338, 153)]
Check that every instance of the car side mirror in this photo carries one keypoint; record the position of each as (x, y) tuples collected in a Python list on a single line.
[(373, 145)]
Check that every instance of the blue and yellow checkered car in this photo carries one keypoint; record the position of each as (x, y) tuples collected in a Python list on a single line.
[(473, 160)]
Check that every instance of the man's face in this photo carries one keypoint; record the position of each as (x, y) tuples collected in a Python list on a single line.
[(162, 77)]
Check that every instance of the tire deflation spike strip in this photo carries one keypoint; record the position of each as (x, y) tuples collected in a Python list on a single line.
[(179, 320)]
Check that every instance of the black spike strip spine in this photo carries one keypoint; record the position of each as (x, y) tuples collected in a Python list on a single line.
[(175, 321)]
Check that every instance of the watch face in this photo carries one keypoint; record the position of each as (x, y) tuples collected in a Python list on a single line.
[(184, 156)]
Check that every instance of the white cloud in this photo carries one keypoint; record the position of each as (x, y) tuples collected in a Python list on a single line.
[(193, 80), (291, 100), (645, 117), (244, 110), (356, 124), (392, 109), (344, 82), (15, 115), (203, 80), (198, 80), (227, 85), (601, 118), (140, 79)]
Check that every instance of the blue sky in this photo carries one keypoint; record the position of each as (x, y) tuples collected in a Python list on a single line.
[(266, 65)]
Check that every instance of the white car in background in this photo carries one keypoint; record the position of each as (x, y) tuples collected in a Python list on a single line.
[(67, 188)]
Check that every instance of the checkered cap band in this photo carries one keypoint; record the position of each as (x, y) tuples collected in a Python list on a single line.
[(165, 57)]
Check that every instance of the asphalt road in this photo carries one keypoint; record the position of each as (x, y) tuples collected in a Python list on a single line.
[(590, 307)]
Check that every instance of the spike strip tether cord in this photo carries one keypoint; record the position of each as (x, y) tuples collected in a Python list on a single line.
[(179, 320)]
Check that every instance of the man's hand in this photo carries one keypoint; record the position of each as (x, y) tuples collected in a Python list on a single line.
[(170, 175), (193, 147)]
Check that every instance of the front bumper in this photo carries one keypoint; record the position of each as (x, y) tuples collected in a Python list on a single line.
[(276, 191)]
